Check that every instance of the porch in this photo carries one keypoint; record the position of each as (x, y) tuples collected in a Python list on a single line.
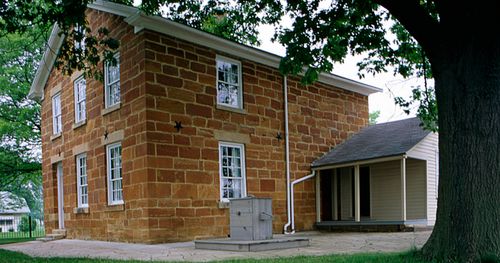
[(384, 194), (383, 178)]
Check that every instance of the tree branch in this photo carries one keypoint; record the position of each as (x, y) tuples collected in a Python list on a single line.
[(417, 20)]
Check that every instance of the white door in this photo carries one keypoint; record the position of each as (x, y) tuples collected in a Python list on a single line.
[(60, 195)]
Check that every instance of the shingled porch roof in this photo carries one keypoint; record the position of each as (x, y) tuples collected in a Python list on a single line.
[(376, 141)]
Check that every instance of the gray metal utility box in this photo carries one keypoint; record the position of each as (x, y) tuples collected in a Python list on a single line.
[(251, 218)]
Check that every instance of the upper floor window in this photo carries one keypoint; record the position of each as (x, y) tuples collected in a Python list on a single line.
[(232, 171), (56, 114), (112, 83), (229, 88), (81, 180), (80, 37), (80, 88), (114, 173)]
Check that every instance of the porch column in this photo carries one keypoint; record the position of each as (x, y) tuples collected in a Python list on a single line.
[(334, 195), (403, 188), (318, 197), (357, 210)]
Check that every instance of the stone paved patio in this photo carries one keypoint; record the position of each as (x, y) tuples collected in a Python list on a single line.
[(321, 243)]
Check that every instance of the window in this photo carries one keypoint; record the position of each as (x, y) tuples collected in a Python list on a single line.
[(80, 37), (81, 180), (112, 83), (232, 171), (114, 171), (80, 87), (6, 222), (229, 91), (56, 114)]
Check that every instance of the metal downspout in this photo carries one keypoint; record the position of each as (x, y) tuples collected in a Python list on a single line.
[(307, 177), (287, 159)]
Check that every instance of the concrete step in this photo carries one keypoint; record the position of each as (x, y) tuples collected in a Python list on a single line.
[(59, 232), (252, 245), (56, 235), (50, 237)]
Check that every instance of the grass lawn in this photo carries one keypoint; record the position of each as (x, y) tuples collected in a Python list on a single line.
[(407, 257), (14, 235), (15, 240)]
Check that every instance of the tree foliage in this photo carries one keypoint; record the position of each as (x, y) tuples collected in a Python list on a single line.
[(20, 167), (373, 117), (24, 225)]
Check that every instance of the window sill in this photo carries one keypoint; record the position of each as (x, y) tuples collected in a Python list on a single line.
[(79, 124), (55, 136), (115, 207), (110, 109), (81, 210), (227, 108)]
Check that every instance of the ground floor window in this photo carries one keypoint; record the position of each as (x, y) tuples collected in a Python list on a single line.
[(81, 180), (232, 171), (114, 173)]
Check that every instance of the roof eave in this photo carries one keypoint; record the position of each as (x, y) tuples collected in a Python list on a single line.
[(189, 34), (358, 162), (139, 21), (46, 64)]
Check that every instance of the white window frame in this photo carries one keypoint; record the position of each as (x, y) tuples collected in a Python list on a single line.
[(79, 185), (56, 116), (107, 84), (80, 103), (242, 165), (240, 81), (111, 201)]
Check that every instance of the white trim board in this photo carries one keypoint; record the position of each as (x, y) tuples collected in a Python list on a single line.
[(134, 17)]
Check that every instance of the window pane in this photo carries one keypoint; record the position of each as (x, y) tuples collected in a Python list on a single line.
[(222, 76), (234, 69), (236, 152), (114, 93), (237, 172), (113, 72)]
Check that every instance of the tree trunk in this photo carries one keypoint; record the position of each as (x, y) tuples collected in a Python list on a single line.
[(468, 94)]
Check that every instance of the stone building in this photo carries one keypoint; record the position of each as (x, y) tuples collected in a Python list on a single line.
[(184, 122)]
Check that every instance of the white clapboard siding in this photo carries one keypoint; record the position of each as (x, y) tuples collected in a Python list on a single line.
[(416, 197), (346, 193), (427, 150), (385, 180)]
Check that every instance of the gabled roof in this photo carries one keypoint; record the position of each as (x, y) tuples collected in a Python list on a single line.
[(12, 204), (140, 21), (376, 141)]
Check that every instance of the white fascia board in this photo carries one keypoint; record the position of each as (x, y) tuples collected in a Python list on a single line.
[(362, 162), (189, 34), (133, 16), (46, 65), (113, 8), (348, 84)]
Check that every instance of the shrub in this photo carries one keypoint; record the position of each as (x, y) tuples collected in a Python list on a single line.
[(24, 226)]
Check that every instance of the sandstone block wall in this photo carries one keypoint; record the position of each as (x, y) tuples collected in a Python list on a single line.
[(170, 177)]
